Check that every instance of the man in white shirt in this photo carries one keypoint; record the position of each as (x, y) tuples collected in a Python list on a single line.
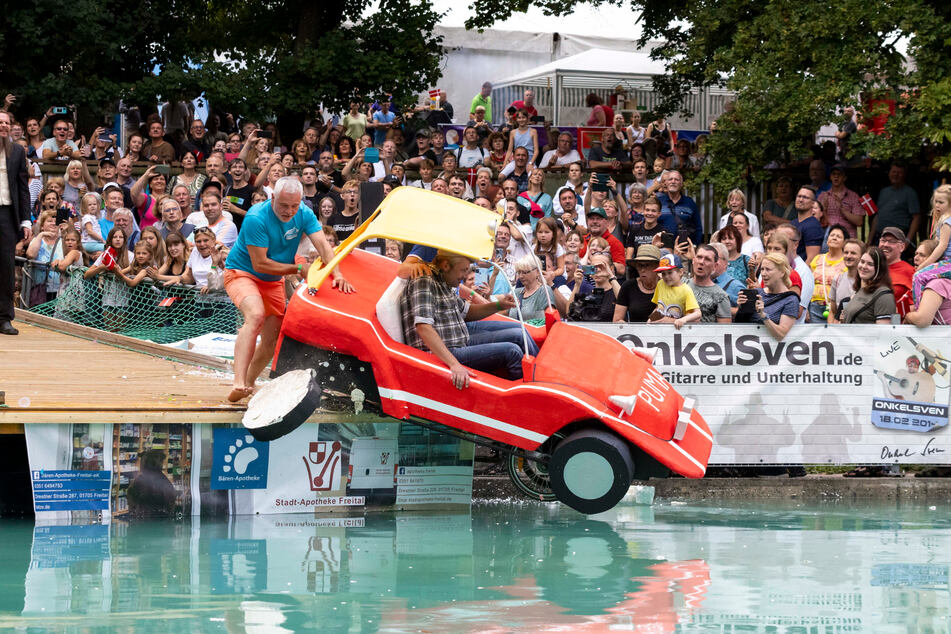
[(563, 155), (211, 216)]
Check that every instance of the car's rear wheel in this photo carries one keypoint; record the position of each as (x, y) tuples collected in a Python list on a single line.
[(531, 477), (591, 470), (282, 405)]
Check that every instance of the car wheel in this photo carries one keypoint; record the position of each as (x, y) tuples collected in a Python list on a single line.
[(282, 405), (531, 477), (591, 470)]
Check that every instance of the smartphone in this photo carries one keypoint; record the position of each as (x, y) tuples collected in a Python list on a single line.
[(749, 306), (106, 136), (371, 155), (667, 240), (683, 235), (265, 134), (162, 169), (60, 110), (587, 269), (602, 183), (538, 119), (499, 254)]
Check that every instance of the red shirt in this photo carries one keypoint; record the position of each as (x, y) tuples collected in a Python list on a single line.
[(901, 273), (617, 249), (520, 105)]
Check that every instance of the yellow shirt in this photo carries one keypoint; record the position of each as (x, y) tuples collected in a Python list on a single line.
[(825, 270), (674, 301)]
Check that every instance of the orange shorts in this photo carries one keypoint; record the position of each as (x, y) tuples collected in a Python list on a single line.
[(241, 285)]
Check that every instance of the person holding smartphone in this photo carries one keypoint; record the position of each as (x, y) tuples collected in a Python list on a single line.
[(775, 306)]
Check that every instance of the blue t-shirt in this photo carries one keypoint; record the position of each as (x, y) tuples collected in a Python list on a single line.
[(262, 228), (775, 306), (684, 214), (812, 234), (379, 134)]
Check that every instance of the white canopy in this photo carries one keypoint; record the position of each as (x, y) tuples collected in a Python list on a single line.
[(594, 68)]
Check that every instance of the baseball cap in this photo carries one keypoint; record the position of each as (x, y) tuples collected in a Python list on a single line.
[(389, 179), (896, 233), (107, 160), (109, 186), (668, 263), (423, 132), (647, 253), (598, 211)]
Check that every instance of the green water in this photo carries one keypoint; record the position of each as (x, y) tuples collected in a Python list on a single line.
[(501, 567)]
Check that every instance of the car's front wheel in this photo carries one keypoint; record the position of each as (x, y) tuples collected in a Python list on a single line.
[(591, 470)]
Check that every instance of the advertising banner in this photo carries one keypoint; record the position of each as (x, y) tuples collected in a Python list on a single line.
[(93, 472), (839, 395)]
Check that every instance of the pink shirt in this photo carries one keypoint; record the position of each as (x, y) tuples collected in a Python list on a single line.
[(943, 288)]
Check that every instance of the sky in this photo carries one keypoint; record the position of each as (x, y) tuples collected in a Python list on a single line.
[(605, 21)]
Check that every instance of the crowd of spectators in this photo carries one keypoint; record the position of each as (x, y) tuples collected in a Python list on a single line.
[(620, 240)]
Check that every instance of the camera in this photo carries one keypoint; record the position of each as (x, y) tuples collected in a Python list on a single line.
[(587, 308)]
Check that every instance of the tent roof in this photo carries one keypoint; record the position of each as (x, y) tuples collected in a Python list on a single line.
[(590, 69)]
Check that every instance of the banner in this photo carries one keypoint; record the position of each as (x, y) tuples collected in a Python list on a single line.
[(83, 472), (823, 395)]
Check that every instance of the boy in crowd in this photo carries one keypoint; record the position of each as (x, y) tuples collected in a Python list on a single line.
[(676, 303)]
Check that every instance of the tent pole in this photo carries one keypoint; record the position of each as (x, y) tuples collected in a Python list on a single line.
[(556, 100)]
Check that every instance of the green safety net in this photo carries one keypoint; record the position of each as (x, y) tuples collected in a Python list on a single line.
[(163, 314)]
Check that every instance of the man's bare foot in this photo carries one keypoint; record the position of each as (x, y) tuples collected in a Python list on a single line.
[(239, 393)]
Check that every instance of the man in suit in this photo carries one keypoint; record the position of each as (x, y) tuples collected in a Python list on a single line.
[(14, 216)]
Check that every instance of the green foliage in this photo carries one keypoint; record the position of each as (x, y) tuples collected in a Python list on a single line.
[(793, 65), (259, 60)]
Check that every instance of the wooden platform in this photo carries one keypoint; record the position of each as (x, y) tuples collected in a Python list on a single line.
[(48, 376)]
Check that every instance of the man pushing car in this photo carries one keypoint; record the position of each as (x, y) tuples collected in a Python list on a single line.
[(254, 270)]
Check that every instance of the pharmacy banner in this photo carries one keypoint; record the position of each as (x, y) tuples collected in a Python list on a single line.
[(823, 395), (89, 472)]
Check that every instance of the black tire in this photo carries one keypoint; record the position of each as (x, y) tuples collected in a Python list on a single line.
[(591, 470), (287, 416), (531, 477)]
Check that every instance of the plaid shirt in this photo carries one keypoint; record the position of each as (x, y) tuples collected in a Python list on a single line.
[(429, 300)]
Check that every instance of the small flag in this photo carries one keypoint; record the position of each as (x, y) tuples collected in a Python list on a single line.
[(868, 205), (168, 301), (109, 258)]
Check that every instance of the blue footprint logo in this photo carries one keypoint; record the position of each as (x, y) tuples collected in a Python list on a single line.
[(240, 455)]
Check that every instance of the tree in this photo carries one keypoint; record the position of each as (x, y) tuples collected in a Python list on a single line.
[(794, 65), (258, 60)]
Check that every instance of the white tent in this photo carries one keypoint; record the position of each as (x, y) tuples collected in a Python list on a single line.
[(563, 85)]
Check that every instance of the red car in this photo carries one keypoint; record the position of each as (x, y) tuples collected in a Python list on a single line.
[(588, 418)]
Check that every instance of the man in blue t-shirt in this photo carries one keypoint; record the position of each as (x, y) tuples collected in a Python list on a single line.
[(679, 213), (808, 225), (254, 270), (382, 122)]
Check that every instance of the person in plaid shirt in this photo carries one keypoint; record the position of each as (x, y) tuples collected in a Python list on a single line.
[(434, 318)]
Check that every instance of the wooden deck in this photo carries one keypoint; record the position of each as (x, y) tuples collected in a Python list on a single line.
[(48, 376)]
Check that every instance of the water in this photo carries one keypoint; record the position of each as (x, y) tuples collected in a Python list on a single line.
[(503, 567)]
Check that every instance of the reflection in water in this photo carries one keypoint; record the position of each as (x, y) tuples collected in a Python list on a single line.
[(505, 567)]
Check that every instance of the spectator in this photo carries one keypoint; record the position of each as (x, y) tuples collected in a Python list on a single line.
[(642, 231), (124, 173), (422, 151), (635, 300), (675, 300), (176, 260), (103, 146), (841, 204), (526, 103), (620, 133), (807, 224), (799, 266), (470, 153), (145, 204), (481, 124), (484, 186), (173, 220), (601, 115), (387, 158), (736, 205), (60, 148), (78, 182), (782, 206), (522, 137), (844, 286), (268, 177), (156, 149), (600, 303), (639, 171), (846, 128), (115, 295), (201, 259), (536, 194), (238, 192), (426, 171), (938, 263), (354, 122), (776, 306), (535, 294), (440, 185), (636, 196), (873, 301), (817, 177), (190, 177), (679, 213), (519, 169), (563, 155), (233, 147), (608, 156), (598, 228), (934, 307), (826, 268), (197, 142), (681, 159), (91, 238), (897, 206), (892, 244), (381, 122), (345, 221), (125, 220), (576, 181), (724, 280), (459, 188), (134, 148), (659, 131), (484, 99), (496, 284), (713, 301), (749, 245), (635, 133), (212, 217), (45, 247), (549, 251), (34, 138), (737, 263)]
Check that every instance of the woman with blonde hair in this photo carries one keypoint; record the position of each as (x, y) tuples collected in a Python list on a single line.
[(775, 305), (736, 205)]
